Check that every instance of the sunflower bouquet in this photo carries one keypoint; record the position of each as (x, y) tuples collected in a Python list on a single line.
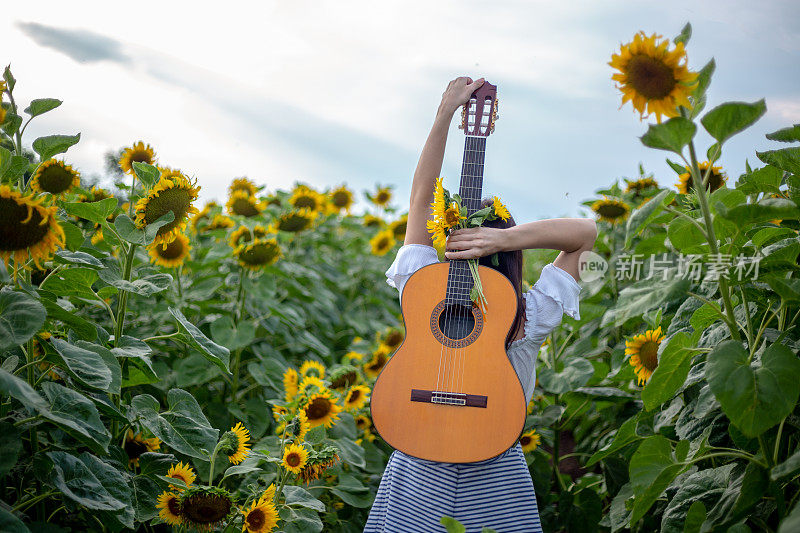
[(450, 213)]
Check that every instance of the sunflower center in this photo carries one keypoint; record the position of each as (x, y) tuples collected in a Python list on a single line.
[(259, 254), (319, 408), (378, 364), (135, 448), (305, 201), (400, 229), (525, 440), (293, 459), (344, 380), (176, 200), (341, 199), (394, 338), (141, 157), (244, 207), (56, 179), (648, 353), (611, 210), (650, 77), (354, 396), (173, 506), (255, 519), (206, 509), (382, 197), (382, 243), (293, 222), (14, 235), (174, 250)]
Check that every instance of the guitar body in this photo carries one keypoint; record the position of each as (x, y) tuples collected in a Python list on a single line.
[(417, 399)]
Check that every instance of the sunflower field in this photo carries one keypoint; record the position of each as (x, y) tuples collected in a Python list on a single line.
[(165, 367)]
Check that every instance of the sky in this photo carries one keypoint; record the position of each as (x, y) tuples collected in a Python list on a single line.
[(328, 92)]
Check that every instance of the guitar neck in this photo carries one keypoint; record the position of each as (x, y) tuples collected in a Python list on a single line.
[(459, 279), (472, 173)]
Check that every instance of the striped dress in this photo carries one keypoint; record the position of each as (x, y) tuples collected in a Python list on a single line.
[(497, 493)]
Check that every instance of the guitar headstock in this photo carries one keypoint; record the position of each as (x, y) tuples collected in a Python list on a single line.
[(479, 114)]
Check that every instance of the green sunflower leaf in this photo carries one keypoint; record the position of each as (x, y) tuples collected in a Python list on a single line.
[(728, 119), (652, 469), (147, 174), (671, 135), (52, 145), (83, 363), (183, 427), (77, 482), (786, 159), (790, 134), (11, 385), (21, 316), (761, 211), (11, 524), (755, 398), (11, 166), (76, 415), (129, 232), (97, 211), (40, 106), (219, 355), (645, 213), (674, 363)]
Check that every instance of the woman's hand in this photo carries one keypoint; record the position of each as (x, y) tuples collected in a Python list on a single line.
[(472, 243), (457, 93)]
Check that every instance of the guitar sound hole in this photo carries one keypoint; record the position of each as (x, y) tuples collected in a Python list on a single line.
[(456, 321)]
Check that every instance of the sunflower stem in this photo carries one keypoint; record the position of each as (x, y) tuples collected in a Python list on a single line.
[(123, 295), (211, 468), (282, 474), (700, 190)]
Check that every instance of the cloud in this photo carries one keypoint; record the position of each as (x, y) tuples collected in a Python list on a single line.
[(83, 46)]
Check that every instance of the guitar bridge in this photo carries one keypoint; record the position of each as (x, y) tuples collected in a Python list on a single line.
[(458, 399)]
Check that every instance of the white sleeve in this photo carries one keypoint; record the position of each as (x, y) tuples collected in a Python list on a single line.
[(409, 259), (555, 294)]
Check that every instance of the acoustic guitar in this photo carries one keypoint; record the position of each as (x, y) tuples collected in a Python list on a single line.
[(449, 393)]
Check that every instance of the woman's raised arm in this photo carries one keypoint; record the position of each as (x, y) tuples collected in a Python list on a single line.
[(429, 166)]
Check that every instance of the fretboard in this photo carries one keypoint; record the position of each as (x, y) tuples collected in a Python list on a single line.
[(459, 278)]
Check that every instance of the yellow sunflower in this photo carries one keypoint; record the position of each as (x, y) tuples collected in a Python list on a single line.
[(382, 196), (244, 234), (499, 209), (204, 508), (379, 359), (371, 221), (716, 178), (643, 350), (243, 184), (341, 198), (642, 184), (262, 516), (258, 254), (311, 381), (302, 426), (55, 177), (393, 338), (171, 255), (205, 215), (356, 398), (652, 77), (97, 236), (382, 242), (363, 422), (294, 221), (140, 153), (136, 445), (182, 472), (28, 230), (530, 440), (170, 508), (242, 204), (241, 448), (611, 210), (398, 227), (321, 409), (354, 356), (219, 222), (306, 197), (174, 193), (290, 380), (295, 458), (312, 368)]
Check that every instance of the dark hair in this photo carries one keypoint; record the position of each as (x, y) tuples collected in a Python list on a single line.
[(510, 265)]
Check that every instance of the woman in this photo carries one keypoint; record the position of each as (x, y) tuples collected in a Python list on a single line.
[(497, 493)]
